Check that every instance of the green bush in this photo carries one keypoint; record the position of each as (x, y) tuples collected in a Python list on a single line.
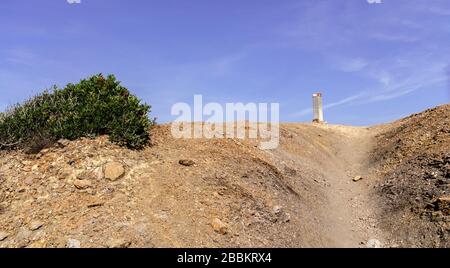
[(95, 106)]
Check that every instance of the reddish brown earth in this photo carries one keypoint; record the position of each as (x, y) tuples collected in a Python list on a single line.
[(229, 193)]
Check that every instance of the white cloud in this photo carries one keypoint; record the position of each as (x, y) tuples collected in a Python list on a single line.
[(351, 65), (340, 102)]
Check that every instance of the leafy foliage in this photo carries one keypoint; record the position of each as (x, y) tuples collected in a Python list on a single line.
[(95, 106)]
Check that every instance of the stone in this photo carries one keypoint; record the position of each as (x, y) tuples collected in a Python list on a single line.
[(63, 143), (219, 226), (73, 243), (114, 171), (99, 173), (97, 203), (35, 167), (357, 178), (118, 243), (186, 163), (38, 244), (373, 243), (3, 235), (82, 184), (437, 216), (287, 218), (36, 225), (65, 173), (30, 179), (277, 210), (86, 175), (23, 237), (443, 204)]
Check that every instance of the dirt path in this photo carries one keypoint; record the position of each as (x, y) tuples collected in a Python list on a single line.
[(334, 155), (351, 209)]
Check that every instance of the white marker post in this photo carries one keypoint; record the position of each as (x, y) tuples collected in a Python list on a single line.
[(318, 108)]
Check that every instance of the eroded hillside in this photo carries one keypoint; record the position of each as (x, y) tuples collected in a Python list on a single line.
[(413, 158), (225, 194), (324, 186)]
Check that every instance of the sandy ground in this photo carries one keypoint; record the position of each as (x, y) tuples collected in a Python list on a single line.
[(337, 154)]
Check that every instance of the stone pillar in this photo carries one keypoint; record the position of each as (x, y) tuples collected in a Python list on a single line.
[(317, 108)]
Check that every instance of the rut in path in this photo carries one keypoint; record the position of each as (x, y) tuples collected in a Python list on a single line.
[(337, 154), (351, 208)]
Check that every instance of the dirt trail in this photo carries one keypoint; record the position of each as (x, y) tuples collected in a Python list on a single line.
[(351, 208), (338, 154), (299, 195)]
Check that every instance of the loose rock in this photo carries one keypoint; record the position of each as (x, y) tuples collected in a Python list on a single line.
[(30, 179), (96, 204), (357, 178), (443, 205), (114, 171), (277, 210), (82, 184), (186, 163), (38, 244), (374, 243), (219, 226), (36, 225), (3, 235), (63, 143), (73, 243), (118, 243)]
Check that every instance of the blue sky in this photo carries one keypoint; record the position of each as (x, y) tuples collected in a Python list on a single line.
[(373, 62)]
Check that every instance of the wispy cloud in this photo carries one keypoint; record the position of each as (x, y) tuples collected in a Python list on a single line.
[(351, 64), (391, 49), (394, 82), (394, 37), (26, 56), (21, 56), (337, 103)]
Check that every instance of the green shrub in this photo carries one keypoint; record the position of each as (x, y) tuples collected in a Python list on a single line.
[(95, 106)]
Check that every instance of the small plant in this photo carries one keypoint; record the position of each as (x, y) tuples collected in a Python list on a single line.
[(95, 106)]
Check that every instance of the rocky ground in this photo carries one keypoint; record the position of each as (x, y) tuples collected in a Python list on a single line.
[(176, 193), (325, 186), (413, 158)]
